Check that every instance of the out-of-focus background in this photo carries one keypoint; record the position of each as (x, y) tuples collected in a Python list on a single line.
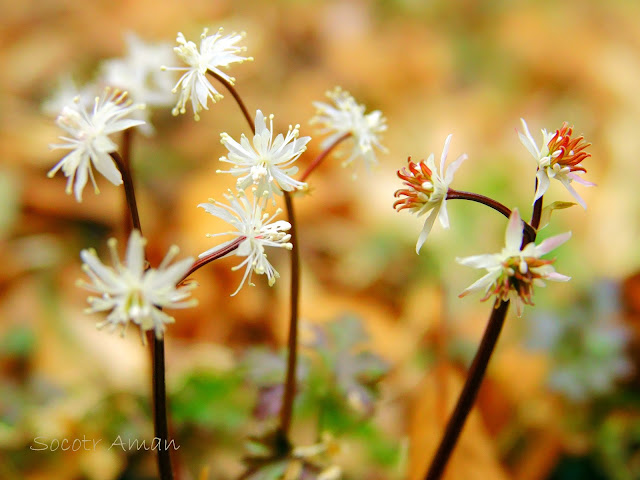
[(561, 400)]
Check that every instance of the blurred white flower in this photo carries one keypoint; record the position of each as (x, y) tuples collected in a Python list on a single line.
[(215, 51), (89, 141), (257, 230), (66, 93), (559, 157), (427, 190), (514, 271), (139, 73), (129, 292), (348, 117), (268, 162)]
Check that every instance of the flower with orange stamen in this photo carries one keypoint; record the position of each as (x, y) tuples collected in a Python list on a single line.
[(427, 190), (513, 273), (560, 157)]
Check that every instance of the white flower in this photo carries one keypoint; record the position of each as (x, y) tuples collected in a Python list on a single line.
[(268, 161), (131, 293), (427, 190), (514, 271), (348, 117), (139, 74), (559, 157), (89, 140), (257, 230), (215, 51)]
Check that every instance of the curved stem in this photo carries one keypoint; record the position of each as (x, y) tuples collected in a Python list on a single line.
[(201, 262), (129, 192), (322, 156), (452, 194), (469, 391), (236, 96), (292, 343)]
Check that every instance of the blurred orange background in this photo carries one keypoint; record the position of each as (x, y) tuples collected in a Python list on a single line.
[(433, 68)]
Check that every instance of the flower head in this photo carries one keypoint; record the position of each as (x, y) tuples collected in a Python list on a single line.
[(139, 74), (559, 157), (129, 292), (215, 51), (268, 162), (89, 140), (514, 271), (348, 118), (257, 229), (427, 190)]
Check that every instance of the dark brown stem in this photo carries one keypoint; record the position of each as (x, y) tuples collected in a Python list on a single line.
[(201, 262), (160, 424), (129, 192), (536, 216), (125, 154), (237, 98), (156, 346), (292, 343), (469, 391), (529, 231), (322, 156)]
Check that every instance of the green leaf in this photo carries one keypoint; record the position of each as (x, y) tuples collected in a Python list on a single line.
[(546, 212)]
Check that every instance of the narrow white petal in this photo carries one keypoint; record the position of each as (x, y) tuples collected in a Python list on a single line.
[(445, 152), (428, 225), (551, 243), (513, 235)]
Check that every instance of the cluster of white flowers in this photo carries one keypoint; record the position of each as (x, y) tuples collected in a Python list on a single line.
[(139, 74), (514, 272)]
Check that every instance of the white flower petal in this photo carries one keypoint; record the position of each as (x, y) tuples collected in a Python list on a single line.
[(551, 243), (513, 236)]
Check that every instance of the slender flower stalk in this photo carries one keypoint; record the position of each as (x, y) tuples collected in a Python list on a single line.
[(324, 154), (222, 252), (525, 272), (292, 342), (236, 96), (529, 230), (156, 345), (469, 391)]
